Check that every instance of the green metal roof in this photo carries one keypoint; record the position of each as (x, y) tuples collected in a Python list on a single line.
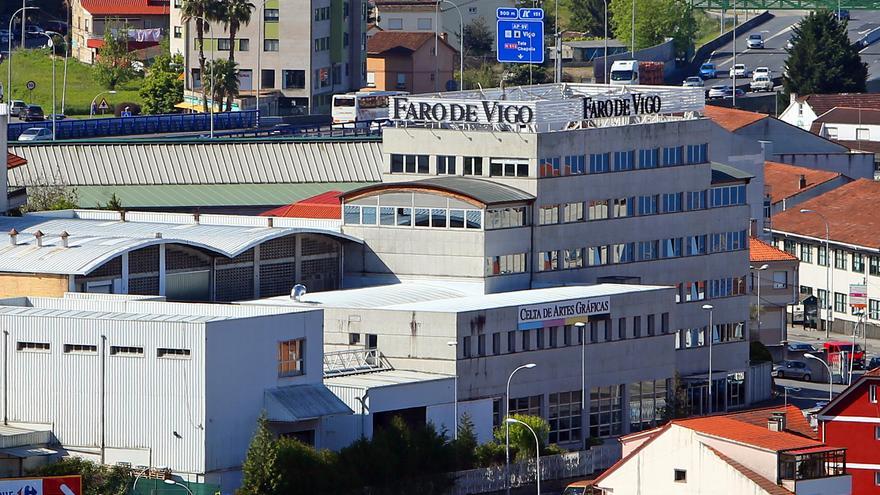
[(723, 174), (170, 196)]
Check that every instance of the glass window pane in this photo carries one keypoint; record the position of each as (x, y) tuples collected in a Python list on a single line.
[(368, 215), (404, 216), (438, 217), (456, 219)]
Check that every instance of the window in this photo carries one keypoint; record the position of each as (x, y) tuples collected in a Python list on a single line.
[(664, 323), (409, 164), (80, 349), (526, 340), (291, 357), (268, 76), (780, 280), (466, 346), (554, 337), (244, 44), (680, 476), (858, 263), (507, 167), (647, 400), (473, 165), (624, 207), (597, 209), (649, 158), (539, 338), (621, 328), (624, 160), (696, 200), (874, 265), (270, 45), (806, 253), (840, 259), (526, 405), (597, 255), (877, 433), (648, 250), (789, 247), (698, 153), (670, 248), (354, 338), (637, 326), (548, 261), (594, 332), (293, 79), (673, 156), (33, 346), (548, 215), (696, 245), (505, 264), (564, 416), (481, 345), (270, 15), (874, 309), (605, 411), (863, 134), (401, 80), (728, 196), (496, 343), (872, 394), (599, 163), (549, 167), (877, 478), (672, 202), (165, 352), (822, 257), (648, 204), (573, 212), (178, 31), (223, 44), (839, 302), (650, 325), (502, 218), (371, 79), (574, 258), (822, 296), (574, 164), (425, 24), (117, 350), (511, 341), (445, 165)]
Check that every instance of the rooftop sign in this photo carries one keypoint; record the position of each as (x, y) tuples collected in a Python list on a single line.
[(561, 313)]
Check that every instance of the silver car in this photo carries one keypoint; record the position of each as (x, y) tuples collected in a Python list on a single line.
[(693, 82), (755, 41), (36, 134), (792, 369)]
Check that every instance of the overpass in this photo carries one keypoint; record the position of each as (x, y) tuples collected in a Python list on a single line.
[(786, 4)]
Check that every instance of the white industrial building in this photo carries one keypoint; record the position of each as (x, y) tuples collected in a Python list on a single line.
[(151, 383)]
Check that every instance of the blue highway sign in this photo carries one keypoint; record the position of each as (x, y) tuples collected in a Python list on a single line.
[(507, 13), (531, 14), (521, 41)]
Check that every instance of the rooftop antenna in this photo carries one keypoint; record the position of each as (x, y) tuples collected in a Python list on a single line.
[(299, 290)]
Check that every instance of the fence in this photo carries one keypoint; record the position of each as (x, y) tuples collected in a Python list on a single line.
[(553, 467), (760, 386), (145, 124), (159, 487)]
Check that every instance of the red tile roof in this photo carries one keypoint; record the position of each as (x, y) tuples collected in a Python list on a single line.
[(384, 41), (746, 433), (326, 205), (822, 103), (765, 484), (795, 420), (784, 179), (760, 251), (120, 7), (866, 146), (132, 45), (849, 210), (732, 119), (849, 115), (13, 161)]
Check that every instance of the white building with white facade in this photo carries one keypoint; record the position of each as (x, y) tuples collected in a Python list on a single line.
[(150, 383)]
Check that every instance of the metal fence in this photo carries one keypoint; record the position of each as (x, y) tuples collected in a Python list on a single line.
[(159, 487), (553, 467)]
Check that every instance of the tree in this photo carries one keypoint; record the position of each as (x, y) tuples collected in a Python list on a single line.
[(44, 195), (163, 88), (221, 80), (483, 76), (466, 444), (200, 11), (522, 442), (822, 59), (234, 14), (260, 471), (114, 59), (677, 404), (97, 479), (478, 39), (588, 16), (305, 471), (519, 74), (113, 203), (656, 20)]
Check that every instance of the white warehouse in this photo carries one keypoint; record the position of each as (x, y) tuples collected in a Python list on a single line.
[(151, 383)]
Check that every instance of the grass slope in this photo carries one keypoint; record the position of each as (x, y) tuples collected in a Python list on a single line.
[(36, 65)]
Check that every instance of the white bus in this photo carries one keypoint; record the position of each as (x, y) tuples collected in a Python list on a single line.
[(362, 106)]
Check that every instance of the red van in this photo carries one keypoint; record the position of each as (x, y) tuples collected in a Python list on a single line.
[(834, 350)]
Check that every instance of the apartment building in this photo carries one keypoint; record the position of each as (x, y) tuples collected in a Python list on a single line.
[(304, 52), (145, 21), (774, 282)]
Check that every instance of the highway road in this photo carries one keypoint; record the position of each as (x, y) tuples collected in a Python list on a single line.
[(777, 32)]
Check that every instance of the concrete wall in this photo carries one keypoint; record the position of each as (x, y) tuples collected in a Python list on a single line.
[(847, 131), (787, 138), (19, 285), (855, 165), (747, 155), (774, 301), (793, 201)]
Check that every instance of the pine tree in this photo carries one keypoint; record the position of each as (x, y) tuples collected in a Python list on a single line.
[(589, 16), (261, 474), (822, 59)]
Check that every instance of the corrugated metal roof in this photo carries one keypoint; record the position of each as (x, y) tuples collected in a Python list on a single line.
[(98, 236), (722, 173), (11, 437), (233, 162), (482, 190), (377, 297), (384, 378), (302, 402)]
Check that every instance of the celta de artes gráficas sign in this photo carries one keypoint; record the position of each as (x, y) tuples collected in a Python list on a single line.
[(561, 313), (55, 485)]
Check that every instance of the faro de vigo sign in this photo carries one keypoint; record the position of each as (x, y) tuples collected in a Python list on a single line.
[(538, 314)]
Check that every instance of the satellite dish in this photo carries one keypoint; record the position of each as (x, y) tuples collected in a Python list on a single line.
[(298, 291)]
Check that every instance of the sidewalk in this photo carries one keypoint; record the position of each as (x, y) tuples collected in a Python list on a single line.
[(797, 333)]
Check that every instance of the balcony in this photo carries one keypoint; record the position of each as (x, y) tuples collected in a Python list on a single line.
[(815, 471)]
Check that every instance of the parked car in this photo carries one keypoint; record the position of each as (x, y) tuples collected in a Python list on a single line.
[(16, 106), (761, 71), (836, 350), (718, 91), (755, 40), (761, 83), (708, 71), (789, 45), (842, 14), (31, 112), (873, 363), (739, 92), (801, 346), (739, 70), (576, 488), (791, 369), (693, 82), (36, 134)]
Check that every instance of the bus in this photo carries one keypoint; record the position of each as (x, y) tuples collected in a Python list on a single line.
[(362, 106)]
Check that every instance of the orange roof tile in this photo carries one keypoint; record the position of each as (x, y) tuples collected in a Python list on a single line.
[(732, 119), (384, 41), (120, 7), (13, 160), (326, 205), (783, 179), (765, 484), (747, 434), (849, 210), (823, 103), (795, 420), (760, 251)]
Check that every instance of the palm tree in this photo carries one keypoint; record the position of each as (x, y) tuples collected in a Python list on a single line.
[(234, 14), (222, 79), (197, 10)]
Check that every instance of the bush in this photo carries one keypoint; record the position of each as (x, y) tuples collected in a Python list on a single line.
[(96, 479), (489, 454), (521, 439), (758, 352)]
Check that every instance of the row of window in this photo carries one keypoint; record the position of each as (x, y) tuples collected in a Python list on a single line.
[(563, 336), (843, 260), (404, 216), (447, 165), (91, 349), (688, 338), (717, 288), (840, 305), (620, 161)]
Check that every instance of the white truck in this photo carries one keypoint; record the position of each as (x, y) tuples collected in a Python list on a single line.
[(626, 72)]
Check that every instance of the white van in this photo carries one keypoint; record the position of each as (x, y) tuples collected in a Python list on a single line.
[(624, 72)]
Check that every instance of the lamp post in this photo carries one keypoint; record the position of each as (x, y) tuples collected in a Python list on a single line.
[(260, 47), (734, 54), (454, 345), (605, 61), (213, 82), (109, 92), (143, 471), (51, 45), (510, 421), (581, 326), (830, 374), (709, 308), (829, 317), (506, 424), (761, 269), (172, 482), (9, 49), (460, 48)]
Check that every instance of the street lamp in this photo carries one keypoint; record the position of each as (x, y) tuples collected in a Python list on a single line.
[(143, 471), (507, 426), (605, 61), (460, 48), (830, 374), (829, 316), (510, 421), (710, 308), (9, 49), (454, 345), (172, 482), (734, 53), (92, 106), (581, 326), (761, 269), (51, 45)]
